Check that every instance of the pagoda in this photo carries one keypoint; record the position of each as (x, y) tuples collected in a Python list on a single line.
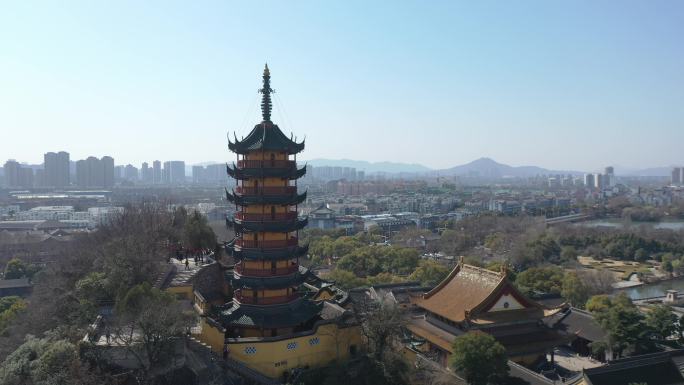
[(266, 276)]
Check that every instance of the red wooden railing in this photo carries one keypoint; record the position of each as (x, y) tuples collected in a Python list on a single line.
[(266, 164), (282, 190), (252, 244), (251, 217), (266, 272), (263, 300)]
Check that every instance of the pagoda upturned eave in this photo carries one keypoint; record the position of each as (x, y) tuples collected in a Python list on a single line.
[(266, 136), (291, 314), (275, 282)]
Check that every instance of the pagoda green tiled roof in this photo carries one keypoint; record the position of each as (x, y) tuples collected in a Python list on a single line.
[(267, 254), (291, 314), (266, 136), (276, 282)]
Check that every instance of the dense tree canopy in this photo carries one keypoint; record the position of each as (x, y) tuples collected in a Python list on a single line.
[(429, 273), (197, 232), (547, 279), (480, 358), (47, 362), (10, 307), (627, 331), (574, 290), (662, 322), (16, 268)]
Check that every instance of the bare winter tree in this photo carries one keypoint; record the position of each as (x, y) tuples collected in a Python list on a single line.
[(150, 324)]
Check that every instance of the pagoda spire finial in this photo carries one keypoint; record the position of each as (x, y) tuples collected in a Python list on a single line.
[(266, 92)]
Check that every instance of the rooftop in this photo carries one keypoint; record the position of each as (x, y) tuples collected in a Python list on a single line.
[(14, 283), (578, 322), (652, 369), (466, 289)]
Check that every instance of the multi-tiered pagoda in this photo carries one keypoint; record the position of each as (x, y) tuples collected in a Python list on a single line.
[(266, 277)]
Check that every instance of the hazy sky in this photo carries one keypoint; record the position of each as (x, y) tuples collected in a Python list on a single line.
[(572, 85)]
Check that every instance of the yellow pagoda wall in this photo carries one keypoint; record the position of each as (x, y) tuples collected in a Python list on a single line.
[(268, 182), (265, 209), (266, 155), (268, 236), (264, 265), (266, 293), (273, 358)]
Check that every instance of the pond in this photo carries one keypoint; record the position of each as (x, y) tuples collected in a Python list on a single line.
[(655, 290)]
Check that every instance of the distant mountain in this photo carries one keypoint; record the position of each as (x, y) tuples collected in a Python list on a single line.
[(489, 168), (483, 168), (653, 171), (370, 167)]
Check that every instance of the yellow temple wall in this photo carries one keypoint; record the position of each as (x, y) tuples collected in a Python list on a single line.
[(182, 292), (409, 355), (323, 295), (273, 358), (212, 336)]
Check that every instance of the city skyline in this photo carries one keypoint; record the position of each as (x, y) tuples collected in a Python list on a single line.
[(563, 86), (384, 167)]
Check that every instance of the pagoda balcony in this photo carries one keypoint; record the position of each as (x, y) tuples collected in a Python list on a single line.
[(251, 300), (267, 217), (266, 190), (288, 172), (283, 195), (285, 226), (266, 254), (286, 164), (254, 244), (266, 272)]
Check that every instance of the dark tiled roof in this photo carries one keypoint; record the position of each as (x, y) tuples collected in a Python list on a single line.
[(266, 136), (14, 283), (292, 314), (652, 369), (527, 375), (238, 280), (578, 322)]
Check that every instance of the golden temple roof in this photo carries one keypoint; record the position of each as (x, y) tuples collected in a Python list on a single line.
[(468, 292)]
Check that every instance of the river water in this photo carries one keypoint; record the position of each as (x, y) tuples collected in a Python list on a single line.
[(670, 225)]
